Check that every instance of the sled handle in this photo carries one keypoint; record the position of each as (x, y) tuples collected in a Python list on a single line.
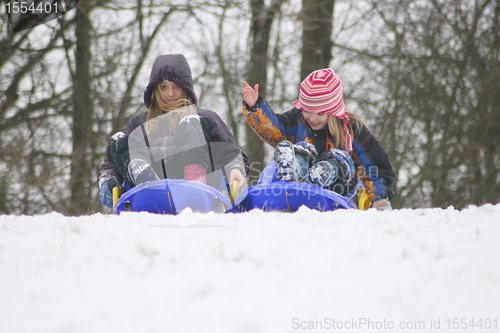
[(234, 191), (363, 200), (116, 196)]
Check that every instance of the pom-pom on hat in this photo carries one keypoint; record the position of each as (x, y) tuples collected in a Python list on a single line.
[(321, 92)]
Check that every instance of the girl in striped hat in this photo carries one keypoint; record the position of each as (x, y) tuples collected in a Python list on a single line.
[(319, 142)]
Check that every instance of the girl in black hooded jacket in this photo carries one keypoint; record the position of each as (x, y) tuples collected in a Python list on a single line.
[(169, 90)]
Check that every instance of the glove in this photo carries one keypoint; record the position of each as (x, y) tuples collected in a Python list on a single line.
[(106, 189), (382, 204), (105, 195)]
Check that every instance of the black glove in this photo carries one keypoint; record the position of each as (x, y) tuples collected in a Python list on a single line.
[(113, 182)]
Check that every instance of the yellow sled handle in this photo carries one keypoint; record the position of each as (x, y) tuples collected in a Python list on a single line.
[(363, 200), (116, 196), (234, 191)]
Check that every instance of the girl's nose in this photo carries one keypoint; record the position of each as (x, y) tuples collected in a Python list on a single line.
[(170, 91), (314, 116)]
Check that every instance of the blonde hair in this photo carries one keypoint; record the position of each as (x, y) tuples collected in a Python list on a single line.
[(336, 128), (164, 108)]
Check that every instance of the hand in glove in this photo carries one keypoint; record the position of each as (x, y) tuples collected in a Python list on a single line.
[(106, 189), (105, 195)]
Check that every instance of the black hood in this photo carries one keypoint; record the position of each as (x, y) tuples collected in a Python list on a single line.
[(172, 67)]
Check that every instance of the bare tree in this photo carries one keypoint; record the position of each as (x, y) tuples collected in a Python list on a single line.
[(433, 95), (262, 19), (82, 114), (317, 17), (62, 87), (32, 108)]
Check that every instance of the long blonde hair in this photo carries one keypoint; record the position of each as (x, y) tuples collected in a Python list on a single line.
[(164, 108), (336, 128)]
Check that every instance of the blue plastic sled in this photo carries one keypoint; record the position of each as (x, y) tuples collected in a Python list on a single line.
[(272, 195), (171, 196)]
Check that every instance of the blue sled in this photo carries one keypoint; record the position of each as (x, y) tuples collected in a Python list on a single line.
[(273, 195), (171, 196)]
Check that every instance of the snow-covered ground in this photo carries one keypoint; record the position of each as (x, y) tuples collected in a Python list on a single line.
[(426, 269)]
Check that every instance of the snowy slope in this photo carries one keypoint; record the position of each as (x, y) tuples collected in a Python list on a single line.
[(251, 272)]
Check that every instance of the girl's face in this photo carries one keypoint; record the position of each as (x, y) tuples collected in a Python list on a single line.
[(315, 120), (171, 90)]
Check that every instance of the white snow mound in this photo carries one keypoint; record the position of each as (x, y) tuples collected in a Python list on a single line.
[(252, 272)]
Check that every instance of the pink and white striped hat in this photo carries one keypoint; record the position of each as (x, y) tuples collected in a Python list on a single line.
[(321, 92)]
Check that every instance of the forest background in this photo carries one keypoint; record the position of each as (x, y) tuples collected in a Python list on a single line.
[(423, 74)]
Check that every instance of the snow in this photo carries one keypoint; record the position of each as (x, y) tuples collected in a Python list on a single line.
[(251, 272)]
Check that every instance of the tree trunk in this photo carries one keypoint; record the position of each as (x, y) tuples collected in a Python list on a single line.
[(317, 16), (262, 20), (82, 117)]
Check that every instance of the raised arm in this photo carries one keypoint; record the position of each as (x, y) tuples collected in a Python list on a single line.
[(250, 95)]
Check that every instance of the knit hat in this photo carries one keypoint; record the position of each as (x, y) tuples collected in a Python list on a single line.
[(171, 67), (321, 92)]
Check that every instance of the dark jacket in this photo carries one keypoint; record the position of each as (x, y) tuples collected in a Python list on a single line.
[(373, 163), (175, 68), (219, 133)]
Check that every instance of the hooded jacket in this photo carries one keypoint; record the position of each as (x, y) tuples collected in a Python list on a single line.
[(175, 68), (172, 67)]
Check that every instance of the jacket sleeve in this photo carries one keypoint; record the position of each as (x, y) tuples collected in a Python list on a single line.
[(374, 165), (269, 126), (108, 168), (135, 122)]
